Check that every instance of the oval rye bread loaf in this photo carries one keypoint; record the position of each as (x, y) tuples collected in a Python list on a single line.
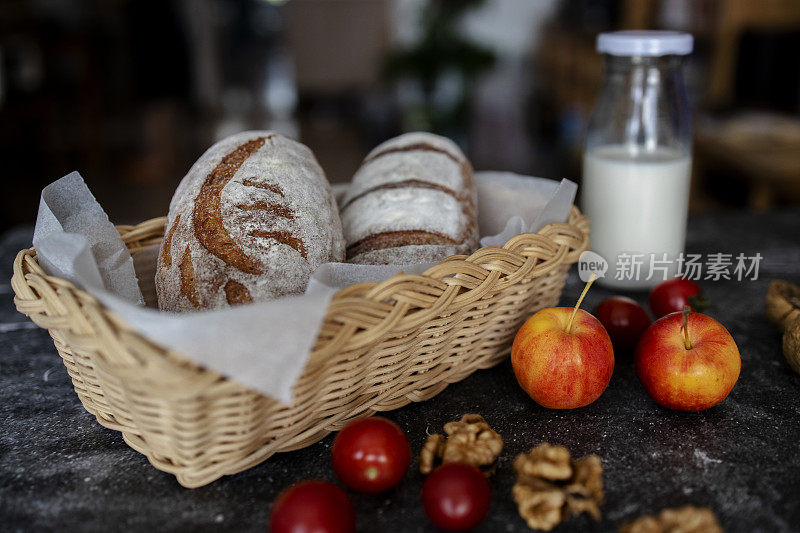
[(412, 201), (250, 221)]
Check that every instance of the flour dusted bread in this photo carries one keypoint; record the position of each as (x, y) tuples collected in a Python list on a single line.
[(250, 221), (412, 201)]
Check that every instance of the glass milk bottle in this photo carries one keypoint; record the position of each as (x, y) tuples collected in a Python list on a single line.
[(637, 159)]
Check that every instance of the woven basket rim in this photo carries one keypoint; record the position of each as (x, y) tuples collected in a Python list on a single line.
[(30, 278)]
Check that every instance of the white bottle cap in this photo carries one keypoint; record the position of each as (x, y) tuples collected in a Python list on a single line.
[(645, 43)]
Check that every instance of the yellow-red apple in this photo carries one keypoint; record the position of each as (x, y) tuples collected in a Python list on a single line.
[(687, 361), (563, 357)]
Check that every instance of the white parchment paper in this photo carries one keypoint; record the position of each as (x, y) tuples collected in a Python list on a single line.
[(262, 345)]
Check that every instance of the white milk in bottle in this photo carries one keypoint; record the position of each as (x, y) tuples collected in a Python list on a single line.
[(637, 161)]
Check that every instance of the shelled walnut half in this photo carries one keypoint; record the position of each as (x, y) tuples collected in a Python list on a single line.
[(551, 487), (686, 519), (469, 440), (783, 308)]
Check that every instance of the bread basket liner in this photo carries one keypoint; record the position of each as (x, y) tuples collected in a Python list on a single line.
[(381, 346)]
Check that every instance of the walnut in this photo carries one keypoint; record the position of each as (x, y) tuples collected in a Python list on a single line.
[(539, 503), (431, 450), (686, 519), (545, 461), (551, 487), (791, 344), (783, 308), (469, 440), (585, 491), (782, 302)]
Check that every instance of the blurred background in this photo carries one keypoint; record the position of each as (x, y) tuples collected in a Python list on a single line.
[(131, 92)]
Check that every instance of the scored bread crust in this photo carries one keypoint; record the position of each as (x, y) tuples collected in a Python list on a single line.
[(250, 221), (412, 201)]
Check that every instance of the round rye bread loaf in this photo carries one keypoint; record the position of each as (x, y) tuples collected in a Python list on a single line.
[(250, 221), (412, 201)]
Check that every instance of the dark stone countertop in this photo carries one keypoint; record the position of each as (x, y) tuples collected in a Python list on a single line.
[(60, 470)]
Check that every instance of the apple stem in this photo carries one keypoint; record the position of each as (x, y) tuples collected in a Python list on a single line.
[(685, 327), (580, 299)]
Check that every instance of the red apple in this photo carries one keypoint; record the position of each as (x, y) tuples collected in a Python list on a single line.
[(673, 295), (563, 357), (624, 319), (687, 361)]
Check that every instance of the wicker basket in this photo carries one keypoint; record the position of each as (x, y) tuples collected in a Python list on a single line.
[(381, 346)]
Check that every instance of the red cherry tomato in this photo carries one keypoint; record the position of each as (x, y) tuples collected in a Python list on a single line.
[(456, 497), (670, 296), (316, 506), (371, 455), (624, 319)]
